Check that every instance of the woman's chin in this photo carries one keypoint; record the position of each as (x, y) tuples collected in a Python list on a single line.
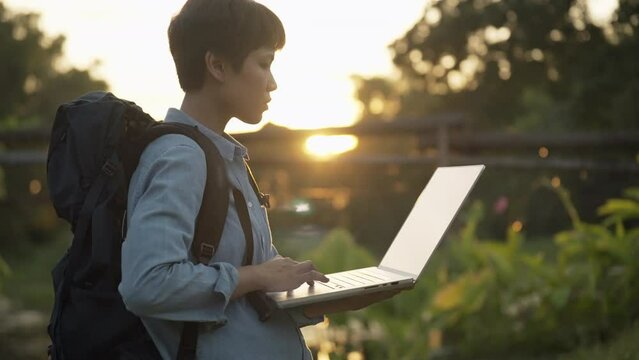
[(252, 119)]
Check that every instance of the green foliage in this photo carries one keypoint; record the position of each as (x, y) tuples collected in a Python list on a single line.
[(4, 271), (502, 301), (491, 294), (599, 262), (498, 299)]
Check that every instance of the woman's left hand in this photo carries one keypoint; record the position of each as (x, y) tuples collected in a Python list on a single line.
[(350, 303)]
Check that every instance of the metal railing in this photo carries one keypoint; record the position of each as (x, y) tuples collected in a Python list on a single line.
[(441, 140)]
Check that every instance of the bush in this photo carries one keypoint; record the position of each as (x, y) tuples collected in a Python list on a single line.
[(498, 300)]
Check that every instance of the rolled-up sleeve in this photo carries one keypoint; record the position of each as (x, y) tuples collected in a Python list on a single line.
[(158, 280)]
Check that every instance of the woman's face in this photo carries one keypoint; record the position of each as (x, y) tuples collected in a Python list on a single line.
[(248, 91)]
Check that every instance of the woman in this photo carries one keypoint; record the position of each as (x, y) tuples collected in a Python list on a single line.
[(223, 50)]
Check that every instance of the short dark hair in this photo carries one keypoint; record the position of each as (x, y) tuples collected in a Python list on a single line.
[(230, 29)]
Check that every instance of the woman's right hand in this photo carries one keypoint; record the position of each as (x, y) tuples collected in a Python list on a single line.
[(277, 274), (283, 274)]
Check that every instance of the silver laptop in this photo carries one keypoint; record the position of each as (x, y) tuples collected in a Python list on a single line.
[(415, 242)]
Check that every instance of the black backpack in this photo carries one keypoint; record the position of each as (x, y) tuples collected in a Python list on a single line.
[(95, 146)]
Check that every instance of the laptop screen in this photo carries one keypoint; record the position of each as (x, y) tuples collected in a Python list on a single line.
[(430, 217)]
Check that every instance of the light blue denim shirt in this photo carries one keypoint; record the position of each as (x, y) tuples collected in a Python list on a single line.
[(162, 285)]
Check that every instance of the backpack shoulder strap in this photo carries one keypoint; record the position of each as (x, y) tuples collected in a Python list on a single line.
[(215, 201), (211, 217)]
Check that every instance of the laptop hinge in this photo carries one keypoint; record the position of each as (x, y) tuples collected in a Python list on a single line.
[(395, 271)]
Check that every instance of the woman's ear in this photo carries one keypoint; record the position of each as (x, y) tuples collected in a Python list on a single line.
[(215, 66)]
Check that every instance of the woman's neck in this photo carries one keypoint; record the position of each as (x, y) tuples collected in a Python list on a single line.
[(202, 107)]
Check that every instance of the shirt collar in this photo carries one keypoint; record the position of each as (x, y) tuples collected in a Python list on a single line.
[(227, 145)]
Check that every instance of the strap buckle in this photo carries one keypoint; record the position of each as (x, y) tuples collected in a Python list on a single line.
[(206, 252), (265, 200), (109, 168)]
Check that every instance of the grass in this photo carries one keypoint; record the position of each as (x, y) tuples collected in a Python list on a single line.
[(29, 285), (624, 347)]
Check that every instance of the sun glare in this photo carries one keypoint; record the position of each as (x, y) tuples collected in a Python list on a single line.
[(323, 146)]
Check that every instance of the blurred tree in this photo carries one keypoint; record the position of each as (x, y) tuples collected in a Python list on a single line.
[(513, 64), (34, 82), (520, 66)]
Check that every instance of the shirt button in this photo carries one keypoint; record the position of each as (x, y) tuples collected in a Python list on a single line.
[(250, 204)]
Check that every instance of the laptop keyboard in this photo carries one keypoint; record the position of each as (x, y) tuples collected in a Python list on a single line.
[(354, 278)]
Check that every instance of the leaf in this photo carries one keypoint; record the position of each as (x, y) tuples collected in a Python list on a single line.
[(514, 240), (569, 206), (476, 213), (559, 297), (623, 208), (467, 291), (632, 193), (450, 296), (501, 259), (564, 237), (633, 235), (476, 300), (534, 261), (4, 270)]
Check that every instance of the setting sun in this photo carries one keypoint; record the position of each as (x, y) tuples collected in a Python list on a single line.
[(323, 146)]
